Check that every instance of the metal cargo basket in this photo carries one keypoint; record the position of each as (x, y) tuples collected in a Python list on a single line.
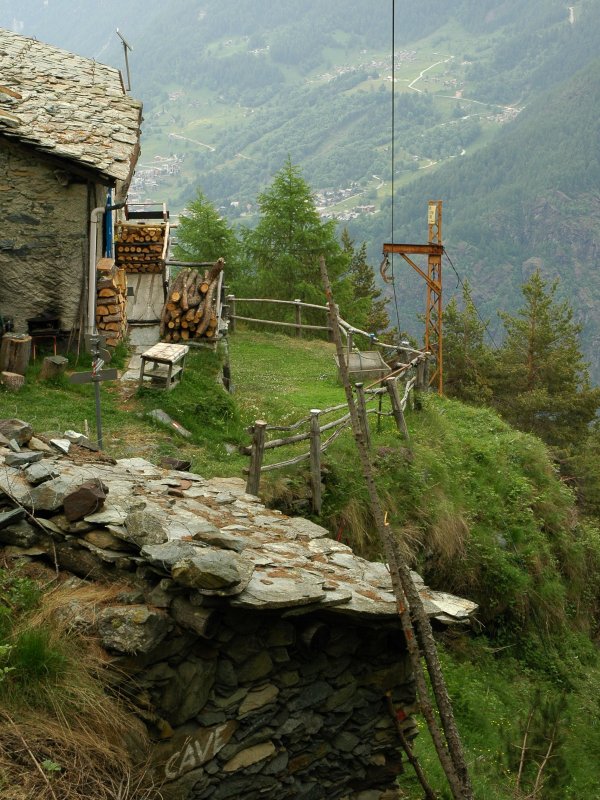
[(366, 367)]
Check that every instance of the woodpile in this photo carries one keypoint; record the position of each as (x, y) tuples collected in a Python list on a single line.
[(191, 308), (111, 302), (140, 247)]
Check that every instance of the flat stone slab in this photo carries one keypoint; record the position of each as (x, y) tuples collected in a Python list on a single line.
[(264, 591)]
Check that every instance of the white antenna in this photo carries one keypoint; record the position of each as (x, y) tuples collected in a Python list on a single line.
[(126, 47)]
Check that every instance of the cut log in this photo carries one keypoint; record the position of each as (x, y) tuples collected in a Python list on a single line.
[(12, 380), (52, 367), (15, 352)]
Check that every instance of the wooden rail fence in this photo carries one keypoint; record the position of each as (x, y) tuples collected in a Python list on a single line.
[(315, 428)]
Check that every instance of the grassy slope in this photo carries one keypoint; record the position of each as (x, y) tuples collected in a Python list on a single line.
[(478, 506)]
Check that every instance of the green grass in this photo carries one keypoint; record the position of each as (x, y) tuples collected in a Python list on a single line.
[(477, 505)]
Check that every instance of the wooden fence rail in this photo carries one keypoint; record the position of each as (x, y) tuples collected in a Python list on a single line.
[(365, 395), (348, 330)]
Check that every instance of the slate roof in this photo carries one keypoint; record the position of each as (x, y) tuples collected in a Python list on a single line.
[(281, 562), (68, 106)]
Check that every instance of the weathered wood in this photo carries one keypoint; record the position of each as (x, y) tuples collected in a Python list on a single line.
[(256, 458), (12, 380), (449, 750), (362, 413), (15, 352), (231, 304), (298, 314), (315, 460), (392, 387), (52, 367)]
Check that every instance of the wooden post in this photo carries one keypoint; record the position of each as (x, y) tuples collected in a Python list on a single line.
[(362, 413), (231, 304), (420, 385), (392, 387), (350, 342), (15, 352), (256, 456), (298, 310), (426, 375), (315, 459)]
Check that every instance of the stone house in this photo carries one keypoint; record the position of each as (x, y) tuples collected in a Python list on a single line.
[(68, 133)]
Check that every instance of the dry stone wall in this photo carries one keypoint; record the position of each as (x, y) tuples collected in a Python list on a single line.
[(258, 651)]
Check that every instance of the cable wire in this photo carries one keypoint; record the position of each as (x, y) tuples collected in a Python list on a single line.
[(393, 152), (462, 284)]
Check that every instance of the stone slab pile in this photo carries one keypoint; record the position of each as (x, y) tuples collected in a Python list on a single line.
[(257, 650)]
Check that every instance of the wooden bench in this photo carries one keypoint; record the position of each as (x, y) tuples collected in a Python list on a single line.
[(163, 364)]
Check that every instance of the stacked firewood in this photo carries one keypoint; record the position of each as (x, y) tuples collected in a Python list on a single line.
[(111, 301), (141, 247), (191, 308)]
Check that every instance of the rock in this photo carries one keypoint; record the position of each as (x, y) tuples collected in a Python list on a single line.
[(132, 629), (263, 592), (11, 517), (255, 668), (143, 528), (22, 459), (258, 699), (161, 416), (37, 444), (49, 496), (16, 429), (226, 541), (19, 534), (186, 695), (40, 473), (251, 755), (203, 621), (175, 463), (14, 446), (87, 499), (211, 569), (108, 516), (107, 541), (64, 445)]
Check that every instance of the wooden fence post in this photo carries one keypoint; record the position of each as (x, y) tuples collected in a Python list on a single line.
[(315, 459), (392, 387), (298, 310), (420, 384), (256, 456), (231, 304), (362, 413)]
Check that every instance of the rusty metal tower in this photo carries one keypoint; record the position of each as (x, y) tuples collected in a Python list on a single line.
[(433, 278)]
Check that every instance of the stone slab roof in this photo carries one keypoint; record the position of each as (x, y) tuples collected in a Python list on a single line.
[(68, 106), (212, 537)]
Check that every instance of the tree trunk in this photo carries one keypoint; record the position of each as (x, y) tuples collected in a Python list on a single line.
[(15, 352)]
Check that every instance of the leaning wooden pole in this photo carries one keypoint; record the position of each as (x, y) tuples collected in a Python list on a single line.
[(410, 607)]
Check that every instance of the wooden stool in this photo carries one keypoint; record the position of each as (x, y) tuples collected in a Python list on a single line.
[(163, 364)]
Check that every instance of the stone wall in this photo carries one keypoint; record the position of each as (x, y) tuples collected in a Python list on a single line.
[(44, 238), (258, 651), (268, 706)]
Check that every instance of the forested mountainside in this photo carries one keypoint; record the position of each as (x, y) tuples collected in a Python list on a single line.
[(495, 114)]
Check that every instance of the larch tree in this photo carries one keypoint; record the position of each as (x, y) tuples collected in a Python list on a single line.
[(285, 246)]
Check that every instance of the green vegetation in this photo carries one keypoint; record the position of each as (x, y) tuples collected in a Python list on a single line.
[(480, 511), (62, 735)]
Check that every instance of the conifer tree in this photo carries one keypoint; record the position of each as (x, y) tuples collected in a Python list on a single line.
[(203, 235), (285, 246), (542, 383), (468, 360), (368, 307)]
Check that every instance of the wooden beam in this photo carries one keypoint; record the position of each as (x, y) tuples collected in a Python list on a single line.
[(430, 249)]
